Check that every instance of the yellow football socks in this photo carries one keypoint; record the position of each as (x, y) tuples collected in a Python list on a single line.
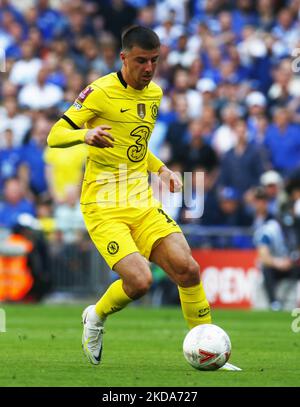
[(113, 300), (195, 307)]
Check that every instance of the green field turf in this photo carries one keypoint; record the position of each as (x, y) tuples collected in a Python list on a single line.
[(142, 347)]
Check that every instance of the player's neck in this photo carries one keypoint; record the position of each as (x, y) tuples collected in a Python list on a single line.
[(129, 81)]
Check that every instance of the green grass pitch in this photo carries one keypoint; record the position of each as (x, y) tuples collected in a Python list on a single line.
[(142, 347)]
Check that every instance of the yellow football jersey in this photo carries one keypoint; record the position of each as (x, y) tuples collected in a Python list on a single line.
[(118, 175)]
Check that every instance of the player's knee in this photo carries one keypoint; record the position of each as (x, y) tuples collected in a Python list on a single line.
[(141, 285), (188, 273)]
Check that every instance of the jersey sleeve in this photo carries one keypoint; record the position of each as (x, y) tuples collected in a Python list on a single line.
[(154, 163), (89, 104), (69, 130)]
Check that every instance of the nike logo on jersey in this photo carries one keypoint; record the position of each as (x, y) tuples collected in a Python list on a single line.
[(124, 110)]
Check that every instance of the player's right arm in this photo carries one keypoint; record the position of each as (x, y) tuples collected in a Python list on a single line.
[(69, 131), (64, 135)]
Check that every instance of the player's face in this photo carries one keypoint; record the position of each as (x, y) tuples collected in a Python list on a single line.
[(139, 66)]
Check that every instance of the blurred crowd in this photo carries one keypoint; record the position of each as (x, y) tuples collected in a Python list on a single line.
[(231, 106)]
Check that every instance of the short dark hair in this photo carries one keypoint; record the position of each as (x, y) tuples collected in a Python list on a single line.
[(142, 37)]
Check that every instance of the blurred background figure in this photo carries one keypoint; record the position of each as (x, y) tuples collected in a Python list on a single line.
[(14, 203), (273, 251), (68, 218), (273, 186)]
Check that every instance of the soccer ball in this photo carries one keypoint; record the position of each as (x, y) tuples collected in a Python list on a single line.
[(207, 347)]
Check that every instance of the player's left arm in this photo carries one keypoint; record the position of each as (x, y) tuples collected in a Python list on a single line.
[(167, 176)]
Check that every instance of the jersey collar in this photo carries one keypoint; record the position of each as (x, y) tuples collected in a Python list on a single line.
[(121, 79)]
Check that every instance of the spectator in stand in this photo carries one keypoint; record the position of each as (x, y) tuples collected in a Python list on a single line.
[(266, 18), (273, 253), (8, 90), (12, 118), (6, 39), (286, 29), (40, 95), (175, 138), (256, 105), (285, 86), (207, 89), (201, 201), (225, 33), (225, 138), (209, 122), (254, 52), (117, 14), (33, 156), (10, 157), (16, 30), (25, 70), (5, 6), (107, 60), (195, 72), (282, 142), (146, 16), (198, 152), (14, 203), (242, 165), (273, 186), (181, 55), (45, 217), (169, 31), (231, 210), (49, 20), (36, 39), (64, 169), (68, 217), (177, 9), (80, 27), (181, 85), (260, 207), (212, 57), (227, 93), (56, 75), (243, 14)]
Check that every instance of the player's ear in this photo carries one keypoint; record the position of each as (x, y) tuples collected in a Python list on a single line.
[(122, 56)]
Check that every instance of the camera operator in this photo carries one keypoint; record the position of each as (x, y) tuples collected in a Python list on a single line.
[(272, 245)]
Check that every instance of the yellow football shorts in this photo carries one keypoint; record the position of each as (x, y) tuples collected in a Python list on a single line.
[(117, 232)]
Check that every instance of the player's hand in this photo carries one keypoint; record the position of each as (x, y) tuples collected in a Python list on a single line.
[(99, 137), (171, 179)]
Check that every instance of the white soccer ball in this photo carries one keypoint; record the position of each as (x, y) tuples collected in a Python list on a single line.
[(207, 347)]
